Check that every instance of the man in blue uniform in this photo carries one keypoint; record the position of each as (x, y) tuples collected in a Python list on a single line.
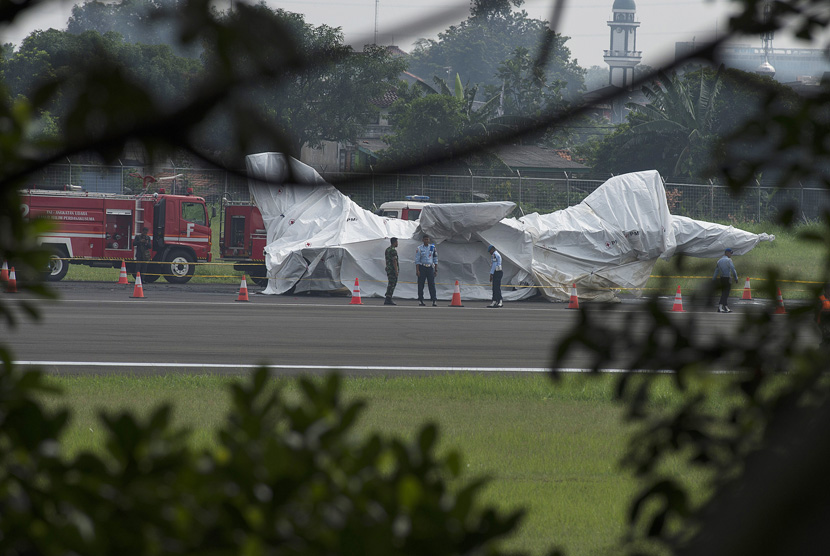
[(495, 276), (426, 268), (725, 270)]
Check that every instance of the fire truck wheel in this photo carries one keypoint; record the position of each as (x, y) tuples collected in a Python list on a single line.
[(57, 268), (179, 268)]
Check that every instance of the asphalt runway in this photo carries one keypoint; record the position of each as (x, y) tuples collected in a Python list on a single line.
[(99, 328)]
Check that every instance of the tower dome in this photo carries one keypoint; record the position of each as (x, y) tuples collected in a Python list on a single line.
[(624, 5), (766, 69)]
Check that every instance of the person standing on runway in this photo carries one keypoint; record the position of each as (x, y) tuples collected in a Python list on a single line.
[(426, 269), (143, 247), (391, 270), (725, 270), (495, 276)]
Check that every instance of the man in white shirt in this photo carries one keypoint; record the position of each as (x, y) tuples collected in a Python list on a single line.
[(495, 276)]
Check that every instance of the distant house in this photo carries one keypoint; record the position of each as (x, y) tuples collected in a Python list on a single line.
[(538, 162), (613, 107), (360, 155)]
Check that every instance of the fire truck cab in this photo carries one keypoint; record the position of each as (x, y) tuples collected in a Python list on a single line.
[(242, 239), (99, 229)]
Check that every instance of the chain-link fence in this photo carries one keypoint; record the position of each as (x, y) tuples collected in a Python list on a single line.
[(711, 202)]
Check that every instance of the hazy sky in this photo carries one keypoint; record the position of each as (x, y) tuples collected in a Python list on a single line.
[(663, 22)]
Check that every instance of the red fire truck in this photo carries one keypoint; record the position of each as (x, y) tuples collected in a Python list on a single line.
[(242, 239), (99, 229)]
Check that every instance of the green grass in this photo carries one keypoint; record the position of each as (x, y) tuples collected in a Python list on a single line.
[(551, 448)]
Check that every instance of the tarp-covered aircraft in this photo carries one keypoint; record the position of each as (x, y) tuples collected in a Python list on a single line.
[(319, 239)]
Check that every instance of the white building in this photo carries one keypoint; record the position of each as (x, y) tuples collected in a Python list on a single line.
[(622, 54)]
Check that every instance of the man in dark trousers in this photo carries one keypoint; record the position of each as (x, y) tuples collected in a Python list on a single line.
[(724, 271), (143, 245), (391, 270), (426, 268), (823, 317), (495, 275)]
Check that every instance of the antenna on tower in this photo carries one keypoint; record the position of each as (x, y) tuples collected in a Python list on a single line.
[(766, 42), (377, 3)]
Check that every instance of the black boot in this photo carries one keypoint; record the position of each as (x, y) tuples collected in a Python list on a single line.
[(389, 301)]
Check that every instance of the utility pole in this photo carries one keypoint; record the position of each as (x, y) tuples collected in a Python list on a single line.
[(377, 3)]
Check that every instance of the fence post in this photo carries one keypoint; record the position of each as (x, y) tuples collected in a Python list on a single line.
[(757, 181), (711, 200), (472, 186), (568, 186), (520, 191), (373, 185), (801, 204)]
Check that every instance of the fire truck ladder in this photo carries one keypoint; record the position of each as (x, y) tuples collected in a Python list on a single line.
[(139, 216)]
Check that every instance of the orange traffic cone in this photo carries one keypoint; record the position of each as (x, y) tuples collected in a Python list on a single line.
[(747, 290), (678, 302), (138, 291), (4, 272), (574, 303), (779, 310), (11, 285), (456, 297), (356, 294), (122, 278), (243, 290)]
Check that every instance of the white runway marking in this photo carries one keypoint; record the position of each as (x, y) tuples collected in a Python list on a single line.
[(206, 366)]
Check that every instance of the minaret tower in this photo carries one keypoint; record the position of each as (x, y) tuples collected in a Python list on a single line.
[(766, 42), (623, 55)]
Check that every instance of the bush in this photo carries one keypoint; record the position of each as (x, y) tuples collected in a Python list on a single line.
[(287, 478)]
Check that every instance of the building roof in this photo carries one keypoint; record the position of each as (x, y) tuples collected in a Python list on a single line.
[(525, 158), (531, 157), (386, 100), (371, 146), (624, 5)]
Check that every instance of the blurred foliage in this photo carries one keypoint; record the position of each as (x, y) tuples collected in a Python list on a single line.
[(286, 478), (765, 452), (290, 478)]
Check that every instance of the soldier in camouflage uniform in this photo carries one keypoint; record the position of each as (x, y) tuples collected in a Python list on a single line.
[(143, 245), (391, 270)]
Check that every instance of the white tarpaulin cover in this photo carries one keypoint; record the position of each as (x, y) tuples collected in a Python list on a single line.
[(318, 239)]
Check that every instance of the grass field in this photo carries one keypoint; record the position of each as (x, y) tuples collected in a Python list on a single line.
[(796, 260), (552, 448)]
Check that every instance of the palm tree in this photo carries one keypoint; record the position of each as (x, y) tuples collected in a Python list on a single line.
[(477, 117), (680, 111)]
